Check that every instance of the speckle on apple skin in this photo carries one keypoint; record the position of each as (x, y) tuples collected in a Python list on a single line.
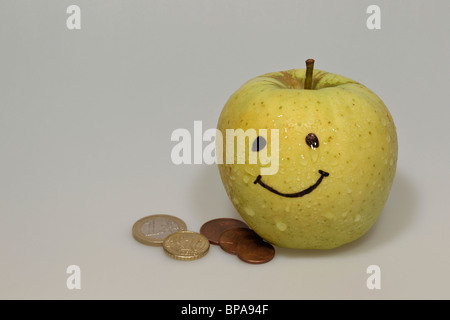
[(358, 147)]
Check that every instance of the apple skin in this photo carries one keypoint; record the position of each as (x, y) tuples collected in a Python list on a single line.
[(357, 148)]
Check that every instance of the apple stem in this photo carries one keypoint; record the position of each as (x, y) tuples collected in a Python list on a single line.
[(309, 73)]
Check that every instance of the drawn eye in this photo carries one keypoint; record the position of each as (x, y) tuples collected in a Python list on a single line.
[(259, 144), (312, 140)]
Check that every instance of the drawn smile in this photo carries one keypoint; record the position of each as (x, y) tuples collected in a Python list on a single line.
[(293, 195)]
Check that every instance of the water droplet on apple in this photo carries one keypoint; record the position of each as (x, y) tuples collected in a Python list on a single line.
[(249, 211), (251, 170), (281, 226), (329, 215), (315, 155), (303, 160)]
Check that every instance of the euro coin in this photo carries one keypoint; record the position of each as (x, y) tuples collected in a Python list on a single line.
[(152, 230), (255, 252), (230, 239), (213, 229), (186, 245)]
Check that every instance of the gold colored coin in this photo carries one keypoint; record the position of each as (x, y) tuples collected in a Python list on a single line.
[(186, 245), (152, 230)]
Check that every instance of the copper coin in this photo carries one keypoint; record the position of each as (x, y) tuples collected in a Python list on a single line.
[(255, 252), (230, 239), (213, 229)]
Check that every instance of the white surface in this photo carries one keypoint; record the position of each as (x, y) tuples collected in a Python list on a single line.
[(85, 124)]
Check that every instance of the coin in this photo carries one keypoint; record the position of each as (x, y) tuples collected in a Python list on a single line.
[(214, 228), (152, 230), (230, 239), (255, 252), (186, 245)]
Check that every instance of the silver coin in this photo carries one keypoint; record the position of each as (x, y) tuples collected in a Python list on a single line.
[(152, 230)]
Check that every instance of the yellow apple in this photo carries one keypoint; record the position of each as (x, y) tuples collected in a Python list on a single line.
[(337, 156)]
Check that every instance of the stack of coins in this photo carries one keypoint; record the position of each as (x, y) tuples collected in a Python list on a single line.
[(235, 237), (171, 233), (213, 229), (232, 235)]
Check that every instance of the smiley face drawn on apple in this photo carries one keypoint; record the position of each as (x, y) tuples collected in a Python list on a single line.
[(312, 141)]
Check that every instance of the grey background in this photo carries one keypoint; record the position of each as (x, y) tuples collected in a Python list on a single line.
[(85, 124)]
